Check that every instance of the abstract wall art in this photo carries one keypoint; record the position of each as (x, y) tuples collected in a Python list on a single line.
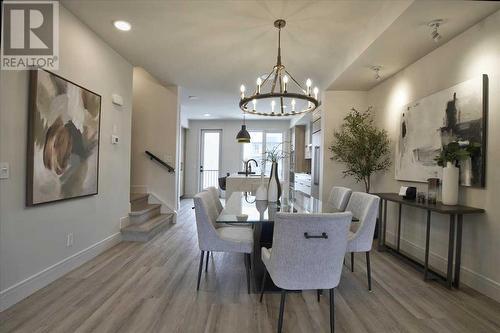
[(63, 139), (459, 114)]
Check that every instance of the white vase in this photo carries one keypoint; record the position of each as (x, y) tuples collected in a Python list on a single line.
[(261, 193), (450, 184)]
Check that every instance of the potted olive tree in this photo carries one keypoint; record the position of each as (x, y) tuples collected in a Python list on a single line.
[(449, 159), (361, 146)]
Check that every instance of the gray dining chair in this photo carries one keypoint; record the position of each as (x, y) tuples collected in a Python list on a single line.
[(214, 192), (363, 206), (307, 253), (339, 197), (227, 239)]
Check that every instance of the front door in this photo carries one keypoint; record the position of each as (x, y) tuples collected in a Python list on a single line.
[(210, 158)]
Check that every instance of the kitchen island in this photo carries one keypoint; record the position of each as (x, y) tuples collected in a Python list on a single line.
[(242, 183)]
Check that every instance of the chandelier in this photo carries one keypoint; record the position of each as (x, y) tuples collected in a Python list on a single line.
[(278, 93)]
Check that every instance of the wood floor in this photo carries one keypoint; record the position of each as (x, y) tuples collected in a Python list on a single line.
[(151, 287)]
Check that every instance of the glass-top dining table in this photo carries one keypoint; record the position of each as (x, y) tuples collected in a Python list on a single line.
[(242, 208)]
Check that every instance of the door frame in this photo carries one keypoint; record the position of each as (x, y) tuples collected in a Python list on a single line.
[(200, 156)]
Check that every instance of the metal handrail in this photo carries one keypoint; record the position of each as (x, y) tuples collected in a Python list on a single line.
[(157, 159)]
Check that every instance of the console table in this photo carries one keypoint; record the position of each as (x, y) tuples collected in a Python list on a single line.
[(454, 247)]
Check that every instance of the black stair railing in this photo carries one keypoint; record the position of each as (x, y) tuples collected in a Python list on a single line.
[(157, 159)]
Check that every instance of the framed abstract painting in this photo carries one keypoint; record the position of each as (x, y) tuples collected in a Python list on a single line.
[(457, 114), (63, 139)]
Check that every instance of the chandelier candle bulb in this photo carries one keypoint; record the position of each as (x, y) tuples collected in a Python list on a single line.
[(259, 83), (242, 89), (285, 81), (254, 102), (273, 103), (316, 91), (308, 85)]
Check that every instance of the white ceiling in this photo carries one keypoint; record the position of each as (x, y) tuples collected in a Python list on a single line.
[(408, 39), (209, 48)]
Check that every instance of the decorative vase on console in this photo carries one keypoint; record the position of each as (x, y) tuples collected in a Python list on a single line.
[(449, 158), (274, 187), (450, 184)]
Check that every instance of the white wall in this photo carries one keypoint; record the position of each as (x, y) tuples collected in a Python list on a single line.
[(33, 248), (154, 128), (474, 52), (232, 151), (336, 105)]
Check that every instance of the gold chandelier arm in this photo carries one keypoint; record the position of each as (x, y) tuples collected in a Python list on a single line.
[(274, 80), (293, 79), (281, 91), (267, 78)]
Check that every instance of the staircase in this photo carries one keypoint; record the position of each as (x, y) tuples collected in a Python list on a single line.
[(146, 220)]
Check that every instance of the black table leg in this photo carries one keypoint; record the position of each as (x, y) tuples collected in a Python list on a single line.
[(385, 222), (458, 253), (451, 248), (427, 244), (380, 205), (399, 226)]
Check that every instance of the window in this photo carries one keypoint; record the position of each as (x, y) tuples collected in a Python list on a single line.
[(260, 142)]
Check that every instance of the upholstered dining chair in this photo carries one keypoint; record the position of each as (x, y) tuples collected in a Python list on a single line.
[(363, 206), (214, 192), (339, 197), (227, 239), (307, 253)]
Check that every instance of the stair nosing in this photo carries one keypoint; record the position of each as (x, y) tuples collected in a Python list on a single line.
[(146, 209), (155, 221), (140, 196)]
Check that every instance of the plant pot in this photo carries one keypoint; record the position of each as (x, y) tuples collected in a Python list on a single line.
[(274, 187), (450, 184)]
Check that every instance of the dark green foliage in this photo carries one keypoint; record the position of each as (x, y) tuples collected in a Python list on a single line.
[(361, 146), (455, 152)]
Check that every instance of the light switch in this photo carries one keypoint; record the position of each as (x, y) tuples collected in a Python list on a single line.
[(115, 139), (4, 170)]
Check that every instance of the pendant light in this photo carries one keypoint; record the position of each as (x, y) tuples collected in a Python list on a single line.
[(243, 136)]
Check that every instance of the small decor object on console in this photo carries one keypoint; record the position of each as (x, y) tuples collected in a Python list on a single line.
[(449, 158), (432, 190), (408, 192), (63, 139)]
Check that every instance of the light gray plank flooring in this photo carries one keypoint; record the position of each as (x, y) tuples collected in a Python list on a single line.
[(151, 287)]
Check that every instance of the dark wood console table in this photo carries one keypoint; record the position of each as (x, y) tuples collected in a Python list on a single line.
[(455, 213)]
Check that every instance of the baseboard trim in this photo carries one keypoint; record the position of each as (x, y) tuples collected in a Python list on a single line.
[(475, 280), (25, 288)]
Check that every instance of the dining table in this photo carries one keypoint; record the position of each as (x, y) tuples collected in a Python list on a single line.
[(242, 208)]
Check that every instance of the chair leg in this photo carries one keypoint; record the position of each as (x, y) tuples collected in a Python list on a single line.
[(200, 268), (282, 310), (263, 286), (368, 271), (318, 294), (332, 310), (247, 268), (206, 263), (352, 261)]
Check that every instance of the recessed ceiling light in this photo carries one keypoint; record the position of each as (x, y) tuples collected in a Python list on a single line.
[(122, 25), (376, 69), (206, 114), (434, 25)]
